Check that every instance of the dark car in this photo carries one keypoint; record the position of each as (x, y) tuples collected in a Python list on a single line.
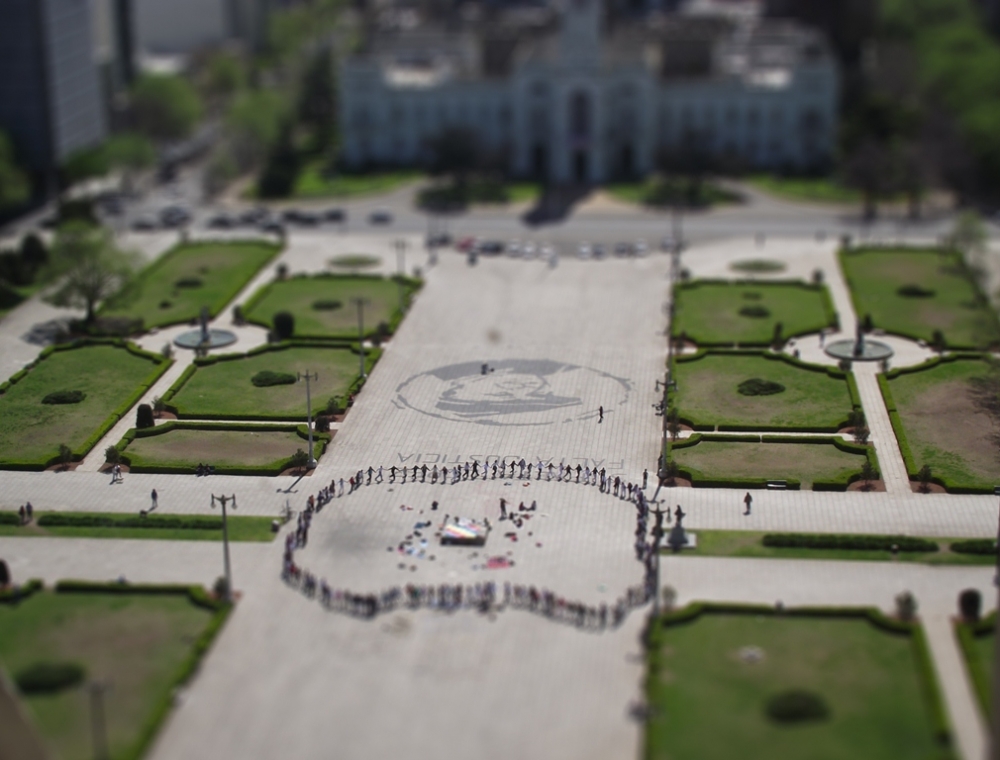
[(222, 222), (380, 216), (272, 225), (439, 240), (174, 216), (335, 215), (492, 247), (144, 224), (253, 216)]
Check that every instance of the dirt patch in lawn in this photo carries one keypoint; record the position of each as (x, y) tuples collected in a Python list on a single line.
[(947, 417), (216, 447)]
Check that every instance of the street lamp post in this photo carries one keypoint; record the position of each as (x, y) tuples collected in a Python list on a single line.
[(223, 500), (361, 303), (98, 722), (309, 415), (400, 246), (995, 732)]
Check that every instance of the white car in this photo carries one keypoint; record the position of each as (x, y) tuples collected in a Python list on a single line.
[(514, 248), (640, 248), (529, 250), (584, 251), (546, 252)]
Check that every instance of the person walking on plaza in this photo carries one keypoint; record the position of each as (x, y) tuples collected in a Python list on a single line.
[(645, 479), (748, 500), (600, 414), (153, 497)]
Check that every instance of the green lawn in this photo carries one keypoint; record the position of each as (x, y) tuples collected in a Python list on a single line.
[(299, 294), (978, 644), (312, 184), (709, 704), (707, 394), (952, 304), (174, 288), (31, 431), (709, 312), (241, 528), (747, 543), (212, 389), (813, 189), (137, 642), (484, 191), (227, 450), (944, 423), (805, 462)]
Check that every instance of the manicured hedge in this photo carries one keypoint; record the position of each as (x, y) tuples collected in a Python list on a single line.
[(10, 518), (15, 594), (924, 665), (984, 546), (848, 542), (967, 633), (320, 440), (64, 520), (49, 677)]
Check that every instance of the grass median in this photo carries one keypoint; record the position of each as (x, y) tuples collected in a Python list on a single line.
[(157, 526)]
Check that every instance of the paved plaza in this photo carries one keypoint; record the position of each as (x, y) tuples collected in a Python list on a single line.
[(507, 359)]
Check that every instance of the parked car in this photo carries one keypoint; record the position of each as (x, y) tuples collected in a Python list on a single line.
[(584, 251), (380, 216), (466, 244), (491, 247), (253, 215), (514, 249), (335, 215), (439, 240), (529, 250), (174, 216), (272, 225), (145, 223), (623, 249), (222, 221), (600, 251), (640, 248)]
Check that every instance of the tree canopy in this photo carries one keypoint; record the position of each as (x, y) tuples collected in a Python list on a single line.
[(165, 107), (89, 266)]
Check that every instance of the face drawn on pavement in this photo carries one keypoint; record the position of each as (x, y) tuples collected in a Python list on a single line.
[(514, 392)]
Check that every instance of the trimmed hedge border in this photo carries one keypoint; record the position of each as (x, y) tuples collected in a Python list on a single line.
[(216, 308), (967, 633), (848, 542), (699, 481), (321, 440), (171, 522), (16, 594), (162, 365), (198, 596), (372, 356), (830, 312), (957, 260), (896, 420), (412, 286), (922, 657)]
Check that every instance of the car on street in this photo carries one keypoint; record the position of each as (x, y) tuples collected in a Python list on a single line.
[(145, 223), (174, 216), (491, 247), (623, 249), (222, 221), (253, 215), (529, 250), (440, 240), (335, 215), (271, 225), (600, 250), (514, 249), (640, 248), (380, 216), (584, 251), (466, 244)]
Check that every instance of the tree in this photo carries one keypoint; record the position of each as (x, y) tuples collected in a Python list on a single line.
[(15, 187), (89, 265), (165, 107), (673, 424), (83, 164), (455, 152), (223, 75), (277, 180), (130, 152), (924, 476), (317, 99), (969, 236), (868, 473), (284, 325), (861, 434), (253, 123)]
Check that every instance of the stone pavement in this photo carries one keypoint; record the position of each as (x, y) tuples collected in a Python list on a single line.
[(557, 343)]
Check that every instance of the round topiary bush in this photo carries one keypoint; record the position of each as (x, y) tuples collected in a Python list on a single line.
[(915, 291), (64, 397), (327, 304), (266, 378), (188, 282), (49, 677), (166, 304), (755, 311), (970, 604), (795, 706), (757, 387), (144, 417), (758, 266)]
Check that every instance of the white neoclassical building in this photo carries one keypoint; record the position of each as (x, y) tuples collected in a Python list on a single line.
[(568, 97)]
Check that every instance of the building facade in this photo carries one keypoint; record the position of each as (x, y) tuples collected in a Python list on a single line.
[(570, 98), (51, 102)]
